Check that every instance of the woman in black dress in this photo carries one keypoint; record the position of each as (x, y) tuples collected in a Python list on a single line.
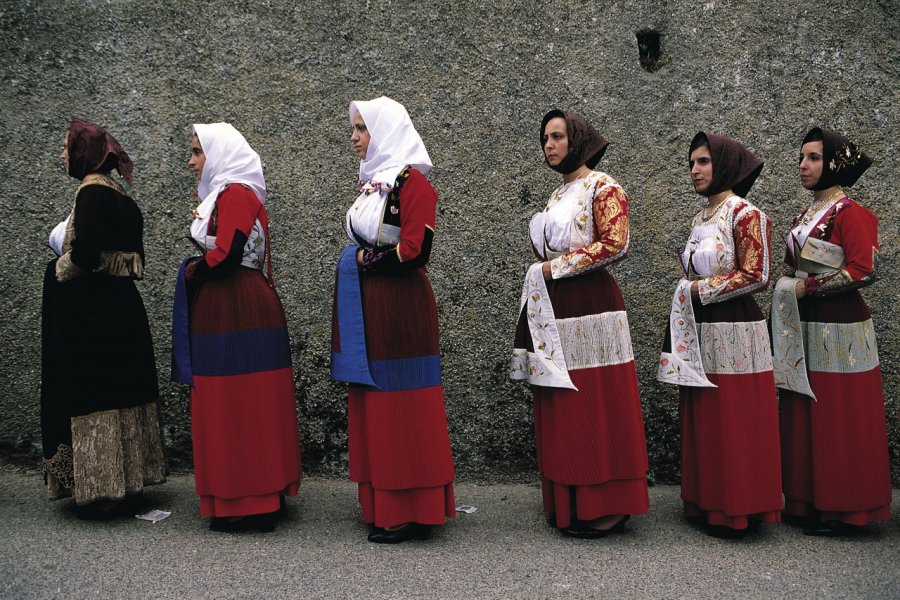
[(99, 414)]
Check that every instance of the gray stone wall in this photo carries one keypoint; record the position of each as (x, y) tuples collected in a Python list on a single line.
[(476, 78)]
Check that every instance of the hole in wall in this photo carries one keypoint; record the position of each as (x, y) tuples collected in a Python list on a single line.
[(650, 49)]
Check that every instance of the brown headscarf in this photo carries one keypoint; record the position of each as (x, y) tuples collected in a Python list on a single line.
[(734, 167), (93, 150), (586, 146), (842, 160)]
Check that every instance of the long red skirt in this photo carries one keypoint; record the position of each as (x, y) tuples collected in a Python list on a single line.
[(591, 448), (835, 450), (243, 407), (399, 443), (730, 459)]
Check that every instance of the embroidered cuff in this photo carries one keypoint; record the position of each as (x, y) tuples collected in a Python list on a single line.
[(812, 285)]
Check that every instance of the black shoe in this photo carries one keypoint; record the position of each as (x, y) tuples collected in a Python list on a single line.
[(580, 529), (753, 524), (410, 531), (831, 529), (728, 533), (264, 523), (101, 510), (699, 520), (803, 521)]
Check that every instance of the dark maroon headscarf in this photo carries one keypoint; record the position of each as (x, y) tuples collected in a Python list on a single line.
[(586, 146), (842, 160), (93, 150), (734, 167)]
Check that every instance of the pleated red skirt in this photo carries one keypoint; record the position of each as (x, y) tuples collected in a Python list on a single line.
[(591, 447), (243, 407), (399, 444), (730, 457), (835, 449)]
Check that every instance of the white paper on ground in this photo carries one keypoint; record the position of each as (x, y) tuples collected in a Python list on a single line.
[(154, 516), (465, 508)]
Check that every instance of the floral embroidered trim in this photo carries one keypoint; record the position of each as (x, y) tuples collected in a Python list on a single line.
[(374, 186), (684, 364), (766, 260), (788, 345), (595, 340), (372, 256), (61, 465), (840, 347), (735, 348), (600, 229), (723, 221), (101, 179), (844, 158), (838, 282), (743, 258), (546, 366)]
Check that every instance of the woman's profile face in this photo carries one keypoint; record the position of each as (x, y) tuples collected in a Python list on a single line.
[(700, 163), (811, 155), (65, 153), (360, 136), (197, 159), (556, 141)]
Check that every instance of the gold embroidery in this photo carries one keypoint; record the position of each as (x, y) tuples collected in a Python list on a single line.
[(100, 179), (610, 212), (751, 255), (60, 466), (844, 157)]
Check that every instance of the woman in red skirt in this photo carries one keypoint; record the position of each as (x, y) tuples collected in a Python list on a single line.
[(243, 408), (385, 332), (717, 349), (573, 343), (833, 430)]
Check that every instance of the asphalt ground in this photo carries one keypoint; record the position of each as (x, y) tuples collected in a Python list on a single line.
[(504, 550)]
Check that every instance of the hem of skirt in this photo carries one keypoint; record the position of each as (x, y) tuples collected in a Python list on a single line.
[(242, 506), (431, 505), (858, 518), (720, 517), (128, 493), (587, 502), (65, 492)]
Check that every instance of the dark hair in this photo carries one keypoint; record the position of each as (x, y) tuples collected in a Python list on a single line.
[(844, 161), (553, 114), (111, 162), (815, 135), (700, 140)]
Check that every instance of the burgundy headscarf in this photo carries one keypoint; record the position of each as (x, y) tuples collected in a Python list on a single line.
[(842, 160), (586, 146), (92, 149), (734, 167)]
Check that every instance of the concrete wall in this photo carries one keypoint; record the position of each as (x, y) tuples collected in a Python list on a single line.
[(476, 78)]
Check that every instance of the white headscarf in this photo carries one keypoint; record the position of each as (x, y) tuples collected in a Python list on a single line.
[(229, 159), (394, 143)]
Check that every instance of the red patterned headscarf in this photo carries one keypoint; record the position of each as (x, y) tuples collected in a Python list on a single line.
[(93, 150)]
